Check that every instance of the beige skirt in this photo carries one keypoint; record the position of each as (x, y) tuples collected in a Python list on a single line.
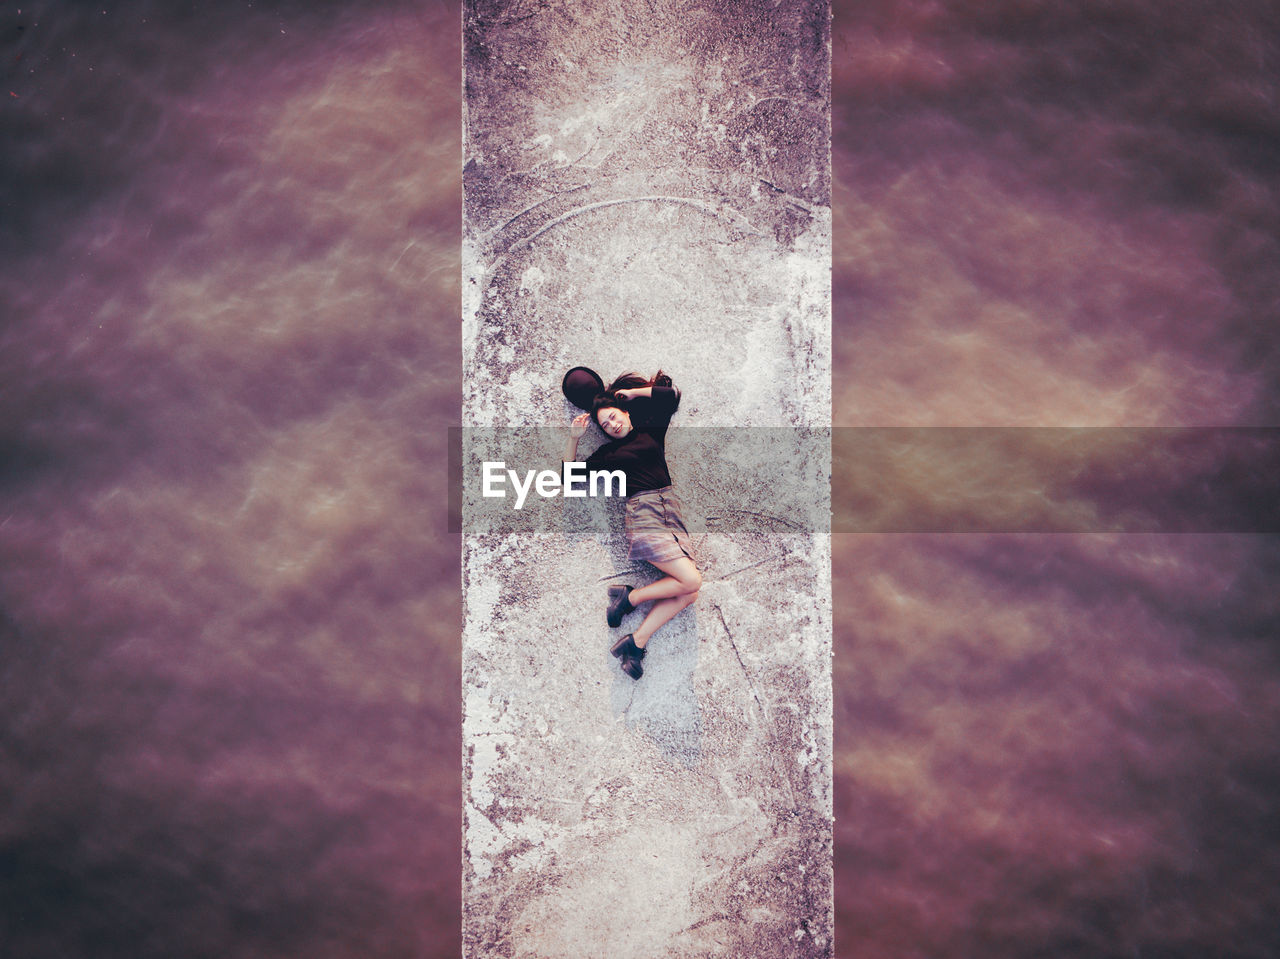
[(655, 527)]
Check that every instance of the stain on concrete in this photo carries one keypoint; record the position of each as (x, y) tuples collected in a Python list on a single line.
[(647, 185)]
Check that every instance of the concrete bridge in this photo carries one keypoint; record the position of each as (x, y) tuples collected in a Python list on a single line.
[(647, 186)]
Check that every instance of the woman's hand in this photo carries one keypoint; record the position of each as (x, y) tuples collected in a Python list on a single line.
[(579, 425), (631, 394)]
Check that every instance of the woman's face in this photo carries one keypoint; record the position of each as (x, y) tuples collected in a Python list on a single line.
[(615, 422)]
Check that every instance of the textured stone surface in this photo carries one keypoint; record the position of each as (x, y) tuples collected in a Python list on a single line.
[(647, 185)]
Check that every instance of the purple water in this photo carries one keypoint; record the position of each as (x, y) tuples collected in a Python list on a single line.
[(229, 357)]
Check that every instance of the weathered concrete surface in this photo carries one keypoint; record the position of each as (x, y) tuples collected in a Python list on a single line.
[(647, 185)]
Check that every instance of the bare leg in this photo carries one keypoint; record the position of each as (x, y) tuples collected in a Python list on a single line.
[(682, 577), (659, 613), (678, 589)]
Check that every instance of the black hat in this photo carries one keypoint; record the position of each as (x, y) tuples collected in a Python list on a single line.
[(581, 386)]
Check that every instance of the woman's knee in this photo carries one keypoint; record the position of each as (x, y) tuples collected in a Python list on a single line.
[(691, 598), (692, 583)]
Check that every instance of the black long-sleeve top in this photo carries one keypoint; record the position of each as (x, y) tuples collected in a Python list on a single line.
[(641, 454)]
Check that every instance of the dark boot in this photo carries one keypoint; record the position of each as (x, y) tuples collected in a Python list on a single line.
[(625, 647), (619, 605), (630, 654), (631, 665)]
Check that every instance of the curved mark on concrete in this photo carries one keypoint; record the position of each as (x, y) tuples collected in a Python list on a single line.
[(533, 206), (735, 220), (650, 198)]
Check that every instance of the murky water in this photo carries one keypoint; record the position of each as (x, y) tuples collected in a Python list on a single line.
[(229, 358), (1056, 215)]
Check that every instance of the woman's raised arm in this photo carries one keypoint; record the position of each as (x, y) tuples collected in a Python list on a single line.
[(576, 429)]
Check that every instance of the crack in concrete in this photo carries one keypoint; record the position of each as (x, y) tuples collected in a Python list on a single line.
[(743, 569), (630, 701), (632, 573), (582, 156), (734, 646), (770, 516)]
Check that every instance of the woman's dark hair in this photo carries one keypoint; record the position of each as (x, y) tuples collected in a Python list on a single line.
[(627, 381)]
